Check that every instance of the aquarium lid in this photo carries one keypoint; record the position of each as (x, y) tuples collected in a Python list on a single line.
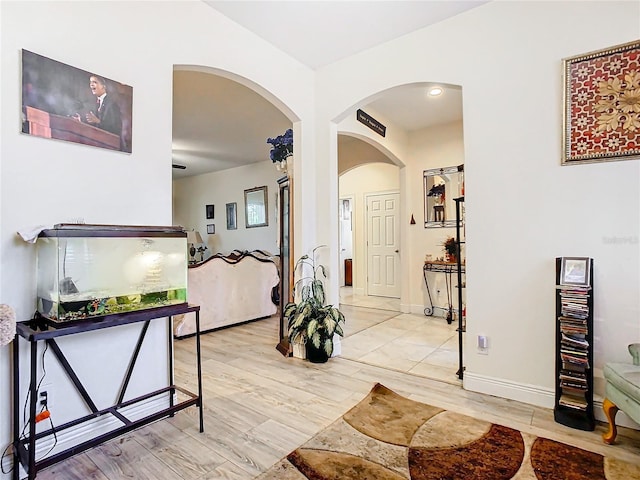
[(94, 230)]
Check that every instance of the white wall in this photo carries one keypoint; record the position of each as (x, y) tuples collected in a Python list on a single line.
[(46, 181), (191, 194), (523, 208)]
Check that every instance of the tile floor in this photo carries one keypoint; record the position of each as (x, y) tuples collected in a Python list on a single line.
[(348, 297), (377, 333)]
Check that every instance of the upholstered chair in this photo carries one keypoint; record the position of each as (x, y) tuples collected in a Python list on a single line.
[(622, 391)]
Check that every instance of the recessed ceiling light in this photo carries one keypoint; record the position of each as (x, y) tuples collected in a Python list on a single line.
[(435, 91)]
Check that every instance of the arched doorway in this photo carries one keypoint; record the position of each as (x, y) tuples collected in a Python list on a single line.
[(428, 135), (221, 123)]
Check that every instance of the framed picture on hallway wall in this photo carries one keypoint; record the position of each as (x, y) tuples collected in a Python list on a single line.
[(232, 216), (65, 103), (602, 105)]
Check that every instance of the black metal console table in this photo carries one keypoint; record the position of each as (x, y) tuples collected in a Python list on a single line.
[(448, 269), (36, 330)]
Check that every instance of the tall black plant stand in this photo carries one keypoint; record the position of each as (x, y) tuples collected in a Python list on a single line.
[(461, 284), (41, 330)]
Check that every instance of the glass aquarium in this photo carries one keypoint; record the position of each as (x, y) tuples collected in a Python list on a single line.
[(85, 271)]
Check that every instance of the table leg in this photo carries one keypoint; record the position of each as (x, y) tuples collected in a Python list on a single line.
[(171, 373), (200, 403), (16, 406), (33, 398)]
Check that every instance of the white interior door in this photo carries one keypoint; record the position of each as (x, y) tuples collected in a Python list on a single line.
[(383, 245)]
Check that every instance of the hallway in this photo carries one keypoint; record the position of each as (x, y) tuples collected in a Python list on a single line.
[(378, 334)]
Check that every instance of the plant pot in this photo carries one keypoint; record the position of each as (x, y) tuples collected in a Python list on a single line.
[(316, 355), (285, 166), (299, 350)]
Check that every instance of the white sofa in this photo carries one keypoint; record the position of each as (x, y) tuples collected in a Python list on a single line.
[(230, 289)]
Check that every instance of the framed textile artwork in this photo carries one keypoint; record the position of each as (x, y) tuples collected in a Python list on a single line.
[(602, 105)]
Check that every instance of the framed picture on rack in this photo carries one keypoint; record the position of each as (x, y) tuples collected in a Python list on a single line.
[(575, 271)]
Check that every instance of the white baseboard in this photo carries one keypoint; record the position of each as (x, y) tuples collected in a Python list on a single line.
[(90, 429), (534, 395), (418, 309), (337, 346), (411, 308)]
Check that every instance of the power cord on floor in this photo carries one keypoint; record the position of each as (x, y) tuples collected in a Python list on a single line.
[(55, 437), (4, 454)]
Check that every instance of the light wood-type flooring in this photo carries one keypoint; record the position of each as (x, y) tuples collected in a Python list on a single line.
[(259, 406)]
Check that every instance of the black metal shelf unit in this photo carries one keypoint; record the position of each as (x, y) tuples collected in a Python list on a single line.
[(38, 329), (461, 284), (574, 353)]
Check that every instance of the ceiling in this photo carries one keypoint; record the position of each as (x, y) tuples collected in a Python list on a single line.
[(220, 124), (318, 33)]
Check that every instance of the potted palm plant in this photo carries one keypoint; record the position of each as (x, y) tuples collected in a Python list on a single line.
[(310, 321)]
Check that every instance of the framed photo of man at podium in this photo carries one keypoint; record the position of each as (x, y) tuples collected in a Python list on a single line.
[(66, 103)]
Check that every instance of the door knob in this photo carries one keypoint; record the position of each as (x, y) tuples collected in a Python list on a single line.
[(397, 251)]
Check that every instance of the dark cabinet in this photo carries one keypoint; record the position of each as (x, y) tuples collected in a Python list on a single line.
[(286, 260)]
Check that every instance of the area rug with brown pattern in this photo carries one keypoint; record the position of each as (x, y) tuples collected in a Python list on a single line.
[(389, 437)]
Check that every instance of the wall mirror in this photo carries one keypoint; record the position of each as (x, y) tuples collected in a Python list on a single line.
[(441, 186), (255, 207)]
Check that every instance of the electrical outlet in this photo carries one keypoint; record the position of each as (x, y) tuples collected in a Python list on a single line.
[(45, 396), (483, 344), (44, 399)]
